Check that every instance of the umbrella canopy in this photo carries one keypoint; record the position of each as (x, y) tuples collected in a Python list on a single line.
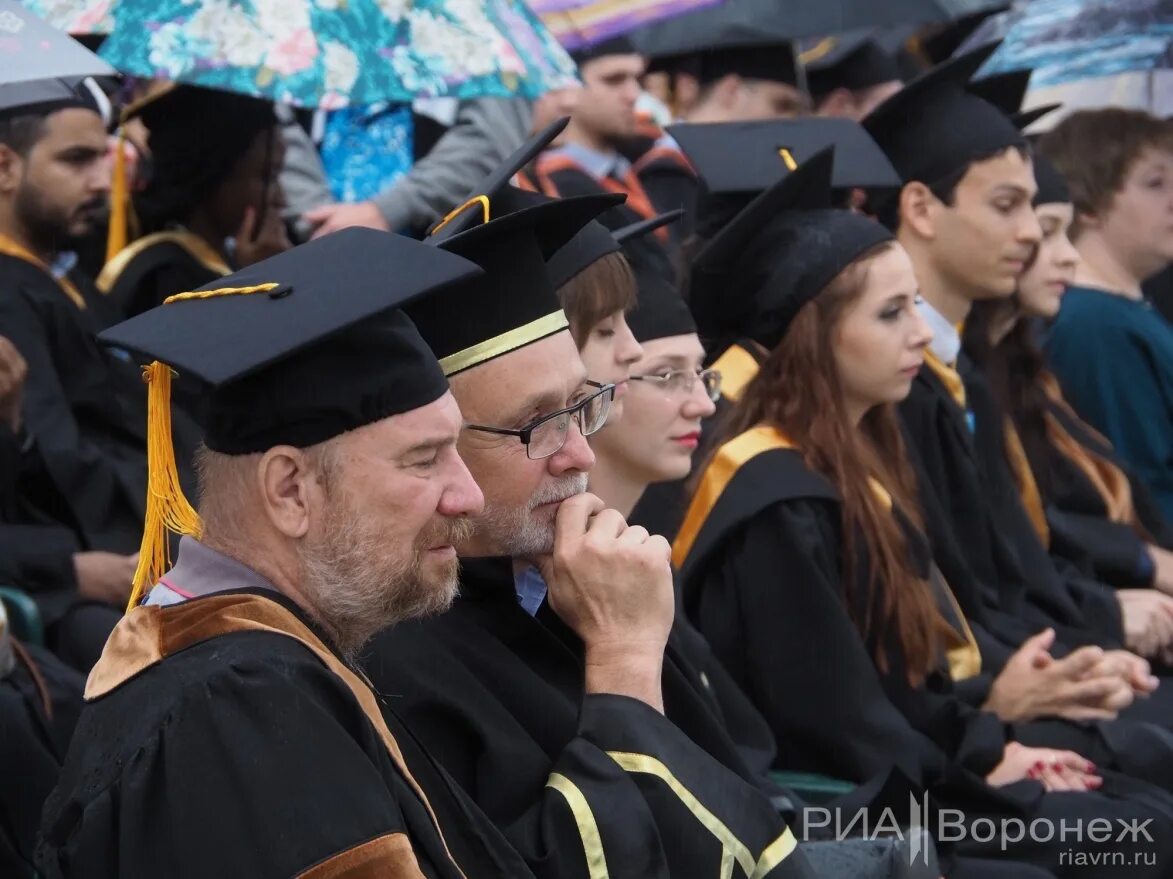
[(331, 53), (581, 23), (74, 16), (1068, 41), (30, 49), (754, 22)]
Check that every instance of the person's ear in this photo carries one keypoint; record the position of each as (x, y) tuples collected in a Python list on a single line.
[(289, 489), (919, 209), (11, 168)]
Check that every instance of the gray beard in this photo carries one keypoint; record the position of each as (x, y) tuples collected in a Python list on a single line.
[(519, 531)]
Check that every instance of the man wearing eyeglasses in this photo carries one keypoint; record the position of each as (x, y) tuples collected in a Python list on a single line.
[(543, 691)]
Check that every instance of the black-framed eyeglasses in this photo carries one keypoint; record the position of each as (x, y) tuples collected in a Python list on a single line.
[(680, 382), (547, 435)]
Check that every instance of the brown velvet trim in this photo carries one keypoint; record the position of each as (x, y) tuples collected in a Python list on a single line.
[(383, 856), (148, 634)]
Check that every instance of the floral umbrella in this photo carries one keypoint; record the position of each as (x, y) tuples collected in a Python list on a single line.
[(74, 16), (579, 23), (331, 53)]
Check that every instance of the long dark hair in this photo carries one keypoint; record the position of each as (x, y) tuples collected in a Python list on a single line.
[(798, 391), (1016, 372)]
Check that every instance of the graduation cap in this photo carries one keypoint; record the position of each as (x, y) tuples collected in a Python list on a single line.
[(1007, 91), (659, 310), (747, 157), (777, 255), (1052, 185), (31, 49), (41, 97), (515, 302), (850, 61), (495, 187), (774, 62), (935, 127), (595, 241), (293, 350)]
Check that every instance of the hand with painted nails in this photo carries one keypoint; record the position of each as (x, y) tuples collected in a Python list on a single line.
[(1055, 770)]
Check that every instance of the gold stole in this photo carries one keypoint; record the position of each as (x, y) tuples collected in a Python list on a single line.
[(949, 377), (1109, 480), (1028, 487), (196, 247), (147, 635), (8, 247), (737, 367), (963, 654)]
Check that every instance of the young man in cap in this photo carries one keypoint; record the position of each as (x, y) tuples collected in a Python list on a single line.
[(83, 408), (539, 702), (226, 731), (965, 217)]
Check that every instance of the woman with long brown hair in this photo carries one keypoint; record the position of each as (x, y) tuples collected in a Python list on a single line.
[(1085, 505), (802, 556)]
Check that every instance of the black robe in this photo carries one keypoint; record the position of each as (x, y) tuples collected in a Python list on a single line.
[(40, 700), (223, 737), (498, 695), (157, 266), (86, 408), (1081, 529), (983, 540), (763, 580)]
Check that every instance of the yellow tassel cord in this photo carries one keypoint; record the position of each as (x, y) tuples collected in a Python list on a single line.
[(118, 235), (168, 510), (482, 200)]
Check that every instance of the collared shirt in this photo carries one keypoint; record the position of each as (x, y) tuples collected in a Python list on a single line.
[(946, 342), (595, 163), (530, 588), (201, 570)]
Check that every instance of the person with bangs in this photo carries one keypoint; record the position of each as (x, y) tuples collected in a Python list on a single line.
[(964, 215), (805, 524), (1084, 502), (1111, 351)]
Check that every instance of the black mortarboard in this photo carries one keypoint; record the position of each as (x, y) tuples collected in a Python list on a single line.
[(747, 157), (934, 127), (294, 350), (1052, 185), (777, 255), (660, 310), (593, 242), (1007, 91), (850, 61), (773, 62), (515, 302), (40, 97), (495, 186)]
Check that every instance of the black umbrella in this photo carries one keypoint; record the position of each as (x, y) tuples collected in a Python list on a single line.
[(737, 23)]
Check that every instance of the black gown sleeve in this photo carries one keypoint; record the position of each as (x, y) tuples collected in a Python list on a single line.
[(772, 607), (103, 487)]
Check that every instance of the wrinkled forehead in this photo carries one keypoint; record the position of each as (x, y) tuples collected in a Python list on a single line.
[(543, 376)]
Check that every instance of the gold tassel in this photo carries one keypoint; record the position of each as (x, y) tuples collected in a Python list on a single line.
[(117, 236), (167, 508)]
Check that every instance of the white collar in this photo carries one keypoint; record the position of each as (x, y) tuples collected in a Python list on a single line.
[(946, 344)]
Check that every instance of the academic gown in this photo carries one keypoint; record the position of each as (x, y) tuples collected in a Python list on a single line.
[(985, 544), (157, 266), (40, 700), (1080, 525), (498, 695), (86, 408), (224, 737), (762, 576)]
